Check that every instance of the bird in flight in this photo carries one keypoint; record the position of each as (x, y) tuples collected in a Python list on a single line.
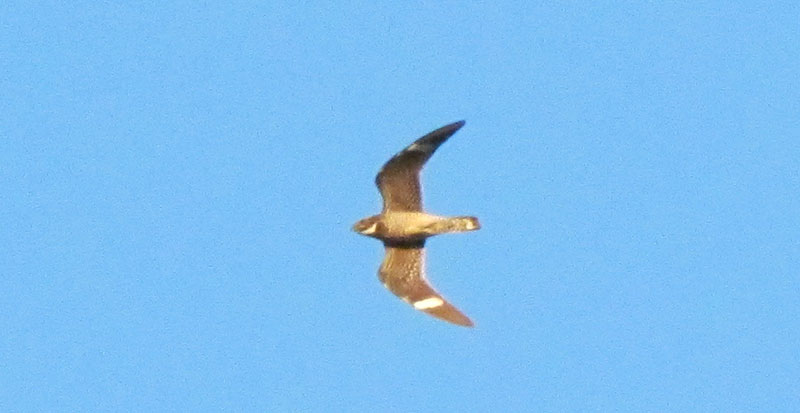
[(403, 226)]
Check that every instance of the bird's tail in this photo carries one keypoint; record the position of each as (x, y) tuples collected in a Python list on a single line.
[(456, 224)]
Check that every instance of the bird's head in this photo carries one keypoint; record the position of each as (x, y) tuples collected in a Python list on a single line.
[(371, 227)]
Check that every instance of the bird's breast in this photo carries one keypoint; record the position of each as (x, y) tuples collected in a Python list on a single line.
[(408, 225)]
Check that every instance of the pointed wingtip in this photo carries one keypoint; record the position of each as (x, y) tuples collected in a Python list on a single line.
[(460, 320), (451, 128), (442, 134), (465, 323), (448, 312)]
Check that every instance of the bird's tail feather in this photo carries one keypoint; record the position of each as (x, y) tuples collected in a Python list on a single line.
[(455, 224)]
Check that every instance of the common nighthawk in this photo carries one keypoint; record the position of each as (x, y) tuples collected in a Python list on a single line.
[(403, 227)]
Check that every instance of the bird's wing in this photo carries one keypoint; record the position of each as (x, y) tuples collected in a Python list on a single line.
[(398, 180), (403, 273)]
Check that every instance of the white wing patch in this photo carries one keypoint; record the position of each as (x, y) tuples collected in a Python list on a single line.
[(421, 147), (427, 303)]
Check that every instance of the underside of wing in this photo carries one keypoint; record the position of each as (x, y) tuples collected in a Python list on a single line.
[(398, 180), (403, 273)]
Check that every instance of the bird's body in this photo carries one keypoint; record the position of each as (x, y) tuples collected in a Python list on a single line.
[(409, 226), (403, 226)]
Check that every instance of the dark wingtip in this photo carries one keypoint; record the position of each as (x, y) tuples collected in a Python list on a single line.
[(449, 313), (462, 321), (444, 132), (451, 127)]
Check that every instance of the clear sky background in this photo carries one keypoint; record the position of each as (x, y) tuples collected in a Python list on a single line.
[(178, 181)]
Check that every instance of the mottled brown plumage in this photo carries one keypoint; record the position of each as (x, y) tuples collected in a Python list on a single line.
[(398, 180), (403, 274), (403, 227)]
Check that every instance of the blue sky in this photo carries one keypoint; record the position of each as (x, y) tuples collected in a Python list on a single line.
[(179, 181)]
